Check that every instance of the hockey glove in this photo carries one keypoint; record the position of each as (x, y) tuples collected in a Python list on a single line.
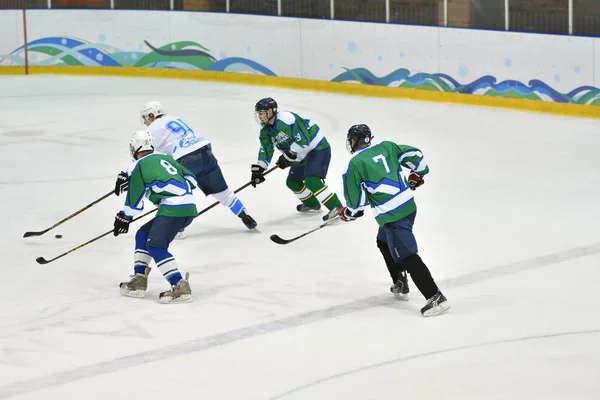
[(286, 159), (415, 180), (257, 175), (347, 215), (121, 224), (122, 183)]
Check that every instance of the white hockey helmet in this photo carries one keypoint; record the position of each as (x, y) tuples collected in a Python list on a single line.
[(141, 141), (151, 107)]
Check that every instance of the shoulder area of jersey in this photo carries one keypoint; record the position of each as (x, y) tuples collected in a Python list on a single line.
[(286, 117)]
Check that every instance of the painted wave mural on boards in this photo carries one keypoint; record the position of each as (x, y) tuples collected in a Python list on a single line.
[(68, 51), (485, 86), (190, 55)]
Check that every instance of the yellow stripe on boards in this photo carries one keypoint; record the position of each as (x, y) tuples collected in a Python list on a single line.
[(12, 70), (322, 86)]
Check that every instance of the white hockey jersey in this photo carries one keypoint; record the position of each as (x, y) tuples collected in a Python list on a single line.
[(174, 137)]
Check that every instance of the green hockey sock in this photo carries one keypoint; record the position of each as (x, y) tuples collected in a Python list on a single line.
[(302, 192), (322, 192)]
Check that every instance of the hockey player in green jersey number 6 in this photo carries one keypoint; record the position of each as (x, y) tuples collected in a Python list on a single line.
[(168, 185), (373, 175), (305, 150)]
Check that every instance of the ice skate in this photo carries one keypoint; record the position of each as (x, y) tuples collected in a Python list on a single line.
[(247, 220), (180, 235), (435, 305), (400, 289), (304, 208), (180, 293), (334, 212), (137, 285)]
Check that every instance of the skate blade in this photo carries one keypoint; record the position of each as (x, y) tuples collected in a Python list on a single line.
[(138, 294), (437, 310), (184, 298), (401, 296)]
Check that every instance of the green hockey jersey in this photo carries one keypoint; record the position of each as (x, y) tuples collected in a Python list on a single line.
[(165, 182), (373, 175), (290, 132)]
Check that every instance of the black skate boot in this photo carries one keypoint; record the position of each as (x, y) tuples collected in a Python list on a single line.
[(400, 289), (435, 305), (247, 220), (304, 208)]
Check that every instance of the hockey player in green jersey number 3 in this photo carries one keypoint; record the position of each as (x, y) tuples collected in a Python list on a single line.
[(373, 175), (305, 149), (168, 185)]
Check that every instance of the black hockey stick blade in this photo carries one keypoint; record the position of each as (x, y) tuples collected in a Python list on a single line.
[(40, 233), (279, 240), (42, 260)]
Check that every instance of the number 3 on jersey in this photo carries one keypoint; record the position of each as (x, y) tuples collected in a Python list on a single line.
[(168, 167), (381, 158)]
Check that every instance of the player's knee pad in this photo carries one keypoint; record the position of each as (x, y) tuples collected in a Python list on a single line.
[(159, 254), (294, 185), (140, 239), (412, 264), (226, 197), (314, 183)]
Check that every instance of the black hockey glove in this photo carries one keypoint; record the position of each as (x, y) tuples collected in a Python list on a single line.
[(122, 183), (286, 159), (257, 175), (415, 180), (121, 224), (347, 215)]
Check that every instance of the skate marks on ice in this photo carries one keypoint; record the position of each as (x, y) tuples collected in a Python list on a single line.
[(236, 335), (429, 354)]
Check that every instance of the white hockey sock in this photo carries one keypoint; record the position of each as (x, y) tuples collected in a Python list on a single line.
[(141, 259)]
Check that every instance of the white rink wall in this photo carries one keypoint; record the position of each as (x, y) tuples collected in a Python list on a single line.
[(505, 64)]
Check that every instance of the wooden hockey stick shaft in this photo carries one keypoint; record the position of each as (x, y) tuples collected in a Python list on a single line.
[(42, 260), (279, 240), (40, 233)]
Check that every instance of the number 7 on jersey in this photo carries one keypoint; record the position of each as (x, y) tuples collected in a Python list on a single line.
[(381, 158)]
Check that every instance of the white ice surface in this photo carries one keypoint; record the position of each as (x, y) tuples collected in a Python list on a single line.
[(508, 223)]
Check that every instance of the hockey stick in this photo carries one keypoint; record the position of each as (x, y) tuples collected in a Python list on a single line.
[(277, 239), (40, 233), (42, 260), (235, 191)]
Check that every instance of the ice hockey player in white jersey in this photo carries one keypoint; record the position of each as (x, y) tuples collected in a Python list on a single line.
[(174, 137)]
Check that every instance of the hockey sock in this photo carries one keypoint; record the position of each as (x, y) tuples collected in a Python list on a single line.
[(302, 192), (166, 264), (230, 200), (141, 257), (389, 260), (420, 275), (322, 192)]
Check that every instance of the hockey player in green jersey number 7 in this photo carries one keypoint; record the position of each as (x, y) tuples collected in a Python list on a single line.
[(305, 149), (168, 185), (373, 175)]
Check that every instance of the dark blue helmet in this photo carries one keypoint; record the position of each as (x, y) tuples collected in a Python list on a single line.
[(261, 110), (360, 134), (266, 104)]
